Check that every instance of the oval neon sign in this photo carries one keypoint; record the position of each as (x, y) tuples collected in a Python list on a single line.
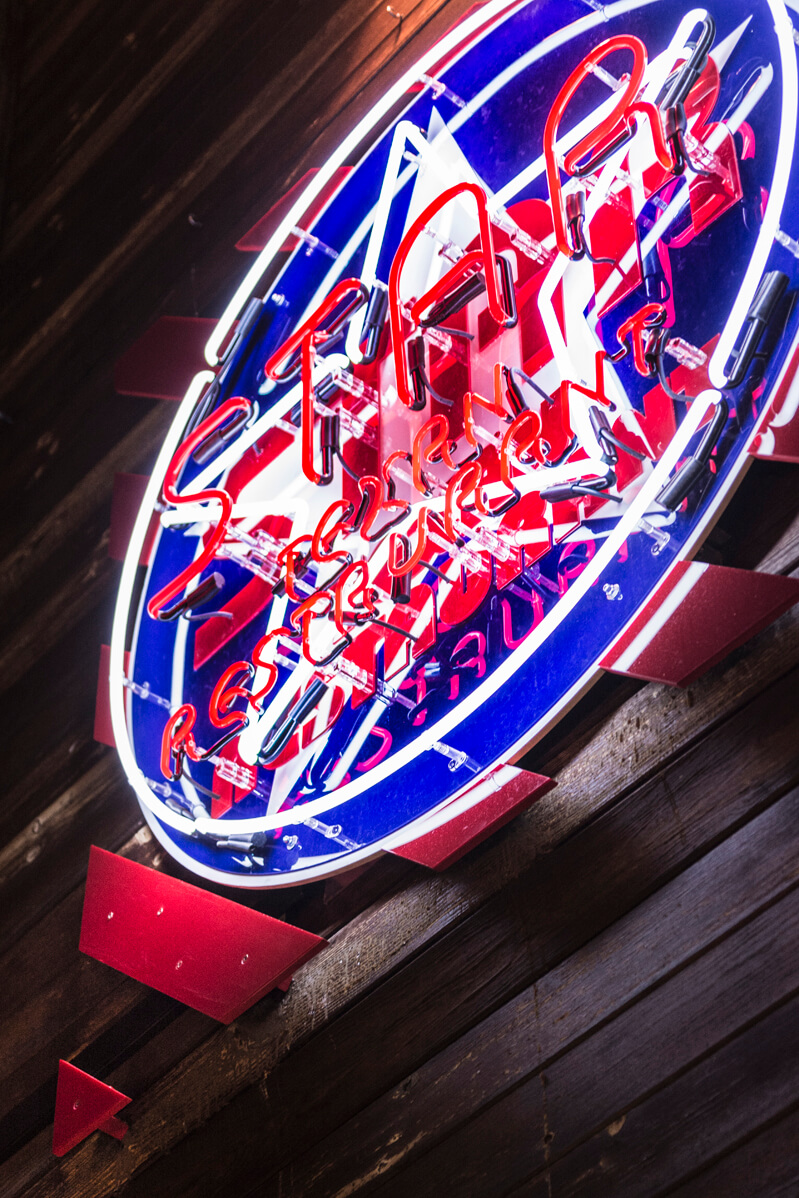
[(501, 386)]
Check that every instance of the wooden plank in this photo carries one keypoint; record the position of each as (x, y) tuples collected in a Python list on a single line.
[(31, 569), (726, 989), (48, 28), (61, 989), (560, 1119), (77, 116), (766, 1166), (727, 887), (61, 766), (743, 1086), (59, 1002), (159, 1053), (42, 470), (561, 893), (53, 702), (763, 512), (9, 89), (49, 857), (53, 619)]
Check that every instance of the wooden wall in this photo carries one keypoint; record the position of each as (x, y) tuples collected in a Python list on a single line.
[(604, 999)]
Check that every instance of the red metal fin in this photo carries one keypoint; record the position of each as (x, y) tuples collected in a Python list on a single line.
[(698, 615), (258, 236), (83, 1105), (208, 952), (243, 607), (103, 732), (162, 363), (516, 790), (777, 436), (125, 503)]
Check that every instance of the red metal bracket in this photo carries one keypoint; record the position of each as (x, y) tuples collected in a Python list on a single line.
[(164, 360), (83, 1105), (125, 503), (103, 732), (698, 615), (210, 953), (777, 436), (243, 607), (516, 791)]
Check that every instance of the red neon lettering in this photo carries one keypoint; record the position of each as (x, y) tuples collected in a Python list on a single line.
[(323, 536), (471, 400), (614, 127), (466, 482), (373, 492), (260, 662), (438, 450), (397, 647), (598, 393), (303, 617), (177, 740), (306, 339), (483, 259), (529, 422), (355, 576), (171, 495), (401, 558), (290, 556), (649, 317), (223, 695)]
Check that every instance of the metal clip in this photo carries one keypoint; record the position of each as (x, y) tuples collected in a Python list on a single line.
[(575, 225), (761, 312), (280, 734), (374, 322), (695, 469), (208, 589)]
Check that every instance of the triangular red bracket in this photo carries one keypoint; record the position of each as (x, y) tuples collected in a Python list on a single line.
[(164, 360), (777, 435), (126, 500), (103, 731), (83, 1105), (698, 615), (256, 238), (207, 951), (508, 792)]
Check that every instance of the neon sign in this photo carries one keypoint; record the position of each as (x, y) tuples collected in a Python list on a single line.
[(502, 388)]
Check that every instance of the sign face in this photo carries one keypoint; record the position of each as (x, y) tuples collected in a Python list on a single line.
[(502, 385)]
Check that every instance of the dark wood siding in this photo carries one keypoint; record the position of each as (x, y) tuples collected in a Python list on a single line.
[(602, 999)]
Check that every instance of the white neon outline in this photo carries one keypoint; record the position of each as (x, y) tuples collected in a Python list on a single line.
[(174, 436), (779, 189)]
